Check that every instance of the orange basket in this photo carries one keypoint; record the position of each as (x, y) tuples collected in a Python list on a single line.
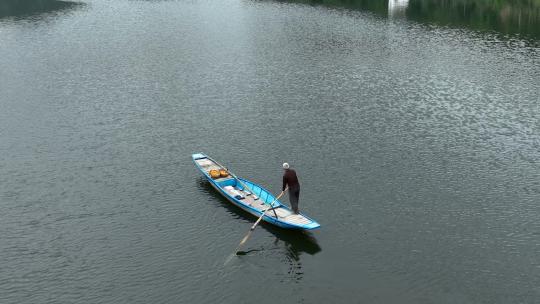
[(214, 173)]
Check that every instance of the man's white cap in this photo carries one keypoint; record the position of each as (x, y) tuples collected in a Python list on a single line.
[(285, 166)]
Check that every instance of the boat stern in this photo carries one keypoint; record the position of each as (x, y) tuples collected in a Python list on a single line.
[(196, 156)]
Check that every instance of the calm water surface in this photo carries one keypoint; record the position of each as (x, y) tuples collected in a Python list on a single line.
[(418, 149)]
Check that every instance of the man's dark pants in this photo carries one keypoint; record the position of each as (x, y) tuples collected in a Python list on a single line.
[(294, 196)]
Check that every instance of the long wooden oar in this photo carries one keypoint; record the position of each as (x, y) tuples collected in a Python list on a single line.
[(240, 181), (244, 240)]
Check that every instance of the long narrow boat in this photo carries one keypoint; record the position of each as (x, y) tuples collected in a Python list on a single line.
[(251, 197)]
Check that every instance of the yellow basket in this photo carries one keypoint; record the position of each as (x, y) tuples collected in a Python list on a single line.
[(214, 173)]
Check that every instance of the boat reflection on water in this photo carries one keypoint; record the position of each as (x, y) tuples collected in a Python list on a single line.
[(294, 242)]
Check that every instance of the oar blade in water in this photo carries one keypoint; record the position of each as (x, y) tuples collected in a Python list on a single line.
[(243, 241)]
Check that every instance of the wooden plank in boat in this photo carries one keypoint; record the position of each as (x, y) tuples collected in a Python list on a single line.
[(283, 213)]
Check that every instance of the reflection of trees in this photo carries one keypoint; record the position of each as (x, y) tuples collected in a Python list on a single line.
[(377, 6), (519, 16), (506, 16), (16, 8)]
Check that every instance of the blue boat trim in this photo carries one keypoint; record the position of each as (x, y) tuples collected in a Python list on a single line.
[(263, 195)]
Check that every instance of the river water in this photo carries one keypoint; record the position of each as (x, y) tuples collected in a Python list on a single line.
[(417, 146)]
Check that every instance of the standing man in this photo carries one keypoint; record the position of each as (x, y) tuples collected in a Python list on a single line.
[(290, 179)]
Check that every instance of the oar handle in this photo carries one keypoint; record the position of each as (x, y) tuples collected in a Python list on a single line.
[(264, 211), (276, 198), (244, 240)]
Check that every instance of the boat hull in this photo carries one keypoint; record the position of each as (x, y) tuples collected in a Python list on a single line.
[(256, 198)]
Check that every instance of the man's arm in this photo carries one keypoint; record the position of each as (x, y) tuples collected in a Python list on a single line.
[(284, 182)]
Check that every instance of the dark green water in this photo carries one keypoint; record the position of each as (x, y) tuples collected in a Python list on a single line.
[(417, 147)]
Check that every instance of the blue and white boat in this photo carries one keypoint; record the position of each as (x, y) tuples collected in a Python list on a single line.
[(252, 197)]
